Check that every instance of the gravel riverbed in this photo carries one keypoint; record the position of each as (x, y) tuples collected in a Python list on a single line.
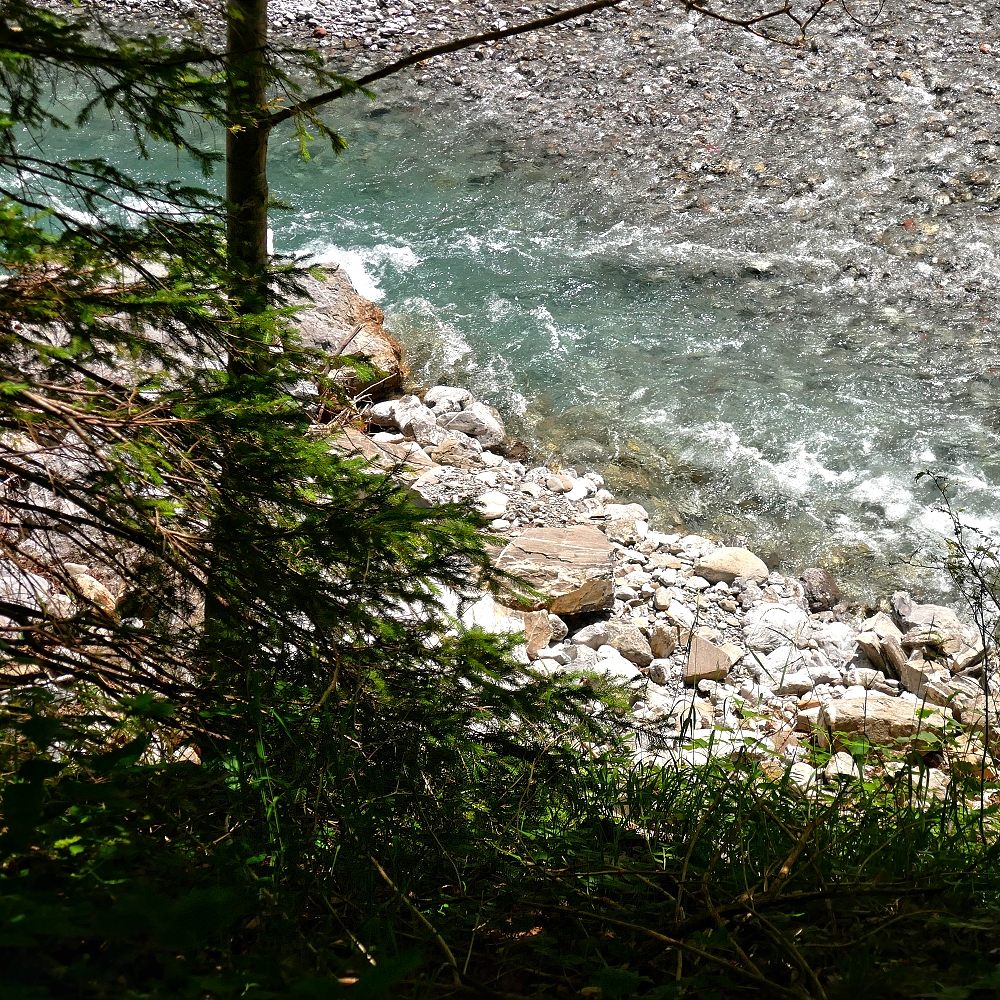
[(875, 145), (847, 190)]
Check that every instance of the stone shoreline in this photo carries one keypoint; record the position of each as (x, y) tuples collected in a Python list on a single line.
[(715, 648), (753, 660)]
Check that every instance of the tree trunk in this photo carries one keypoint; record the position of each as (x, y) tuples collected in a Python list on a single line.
[(247, 260), (246, 155)]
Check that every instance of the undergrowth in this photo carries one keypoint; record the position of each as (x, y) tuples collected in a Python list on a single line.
[(468, 868)]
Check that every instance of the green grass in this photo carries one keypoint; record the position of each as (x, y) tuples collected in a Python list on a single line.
[(557, 872)]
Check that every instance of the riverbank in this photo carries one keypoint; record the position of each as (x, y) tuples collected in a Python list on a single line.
[(772, 340), (721, 656)]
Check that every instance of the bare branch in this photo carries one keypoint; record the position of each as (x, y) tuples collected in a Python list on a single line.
[(754, 23), (303, 107)]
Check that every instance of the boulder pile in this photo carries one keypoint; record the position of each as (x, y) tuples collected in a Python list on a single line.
[(722, 654)]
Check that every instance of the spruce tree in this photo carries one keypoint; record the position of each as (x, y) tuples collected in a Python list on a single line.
[(188, 571)]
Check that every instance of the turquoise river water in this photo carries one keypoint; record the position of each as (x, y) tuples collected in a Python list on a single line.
[(728, 383)]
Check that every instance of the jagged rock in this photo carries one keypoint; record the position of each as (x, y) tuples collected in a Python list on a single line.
[(790, 670), (968, 687), (446, 399), (662, 641), (786, 669), (625, 511), (928, 625), (580, 657), (881, 719), (973, 714), (538, 632), (880, 641), (837, 640), (916, 672), (593, 635), (802, 777), (772, 625), (661, 599), (416, 420), (691, 714), (559, 629), (726, 564), (821, 590), (807, 720), (969, 655), (680, 614), (410, 455), (337, 320), (477, 421), (821, 670), (582, 488), (797, 683), (664, 560), (734, 652), (382, 414), (571, 567), (883, 627), (33, 593), (705, 661), (630, 642), (931, 783)]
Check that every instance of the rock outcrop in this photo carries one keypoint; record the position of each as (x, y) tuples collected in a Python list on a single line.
[(341, 323)]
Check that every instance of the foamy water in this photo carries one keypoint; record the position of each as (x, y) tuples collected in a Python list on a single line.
[(735, 378), (741, 386)]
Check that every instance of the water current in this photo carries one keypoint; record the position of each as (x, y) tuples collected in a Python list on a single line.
[(728, 384)]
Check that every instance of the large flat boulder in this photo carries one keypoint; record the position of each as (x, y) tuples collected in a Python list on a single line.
[(883, 721), (571, 568), (726, 564)]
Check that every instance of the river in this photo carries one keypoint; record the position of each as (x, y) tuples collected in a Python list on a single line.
[(739, 387), (741, 372)]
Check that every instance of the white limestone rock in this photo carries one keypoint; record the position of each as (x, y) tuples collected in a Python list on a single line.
[(769, 626)]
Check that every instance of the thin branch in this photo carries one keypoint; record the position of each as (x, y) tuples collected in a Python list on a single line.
[(776, 988), (438, 50)]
